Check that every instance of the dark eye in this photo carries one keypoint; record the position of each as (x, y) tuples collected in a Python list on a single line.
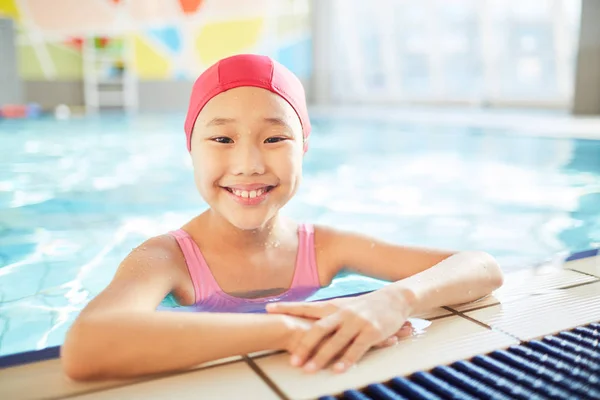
[(223, 139), (274, 139)]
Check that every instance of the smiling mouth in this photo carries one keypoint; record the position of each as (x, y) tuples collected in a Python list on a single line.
[(249, 194)]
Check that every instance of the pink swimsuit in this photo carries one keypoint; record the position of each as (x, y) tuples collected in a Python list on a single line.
[(210, 297)]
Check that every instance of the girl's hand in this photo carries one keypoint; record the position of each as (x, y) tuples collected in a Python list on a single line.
[(346, 328)]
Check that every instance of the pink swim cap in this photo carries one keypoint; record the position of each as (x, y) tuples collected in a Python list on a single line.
[(247, 70)]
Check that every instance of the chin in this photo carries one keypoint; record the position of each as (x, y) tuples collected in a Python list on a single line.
[(252, 220), (247, 225)]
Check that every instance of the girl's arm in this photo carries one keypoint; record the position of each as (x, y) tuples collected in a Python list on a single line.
[(421, 280), (119, 334), (461, 278), (427, 277)]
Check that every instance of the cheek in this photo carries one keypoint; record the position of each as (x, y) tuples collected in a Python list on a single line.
[(207, 170), (289, 166)]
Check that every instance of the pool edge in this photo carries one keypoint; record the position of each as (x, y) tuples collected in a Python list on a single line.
[(50, 353)]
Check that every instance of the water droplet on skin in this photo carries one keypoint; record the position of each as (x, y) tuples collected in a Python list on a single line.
[(372, 245)]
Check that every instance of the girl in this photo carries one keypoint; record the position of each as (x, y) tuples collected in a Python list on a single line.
[(247, 129)]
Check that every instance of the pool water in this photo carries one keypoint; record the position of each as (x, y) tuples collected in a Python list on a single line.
[(76, 196)]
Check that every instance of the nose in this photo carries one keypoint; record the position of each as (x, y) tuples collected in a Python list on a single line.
[(247, 160)]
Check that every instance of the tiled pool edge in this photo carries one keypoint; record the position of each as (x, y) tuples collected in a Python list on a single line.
[(51, 353), (458, 390)]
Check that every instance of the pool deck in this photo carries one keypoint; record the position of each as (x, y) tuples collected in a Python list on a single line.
[(532, 303), (540, 123)]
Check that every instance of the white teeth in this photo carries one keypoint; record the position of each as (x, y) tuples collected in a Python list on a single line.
[(248, 194)]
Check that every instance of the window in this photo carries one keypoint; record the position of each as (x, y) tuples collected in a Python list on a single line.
[(471, 51)]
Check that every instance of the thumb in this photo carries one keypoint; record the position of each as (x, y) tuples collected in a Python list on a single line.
[(392, 340), (406, 330)]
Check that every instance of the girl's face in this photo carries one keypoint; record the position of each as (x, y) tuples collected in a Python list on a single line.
[(247, 150)]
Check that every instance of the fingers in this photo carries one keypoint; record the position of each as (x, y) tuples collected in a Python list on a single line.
[(351, 339), (332, 347), (392, 340), (361, 345), (357, 349), (345, 333), (309, 342), (406, 330)]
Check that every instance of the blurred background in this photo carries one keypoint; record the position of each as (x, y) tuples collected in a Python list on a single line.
[(460, 124)]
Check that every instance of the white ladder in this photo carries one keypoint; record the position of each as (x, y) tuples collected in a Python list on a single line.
[(108, 91)]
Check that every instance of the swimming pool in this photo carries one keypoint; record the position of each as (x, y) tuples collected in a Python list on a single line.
[(76, 196)]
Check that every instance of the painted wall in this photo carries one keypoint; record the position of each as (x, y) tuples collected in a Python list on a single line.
[(170, 39), (11, 90)]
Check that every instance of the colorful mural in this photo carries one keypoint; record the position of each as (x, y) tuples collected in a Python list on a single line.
[(165, 39)]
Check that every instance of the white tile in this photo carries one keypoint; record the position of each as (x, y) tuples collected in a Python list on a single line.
[(435, 313), (589, 265), (230, 381), (46, 379), (527, 282), (445, 340), (537, 316)]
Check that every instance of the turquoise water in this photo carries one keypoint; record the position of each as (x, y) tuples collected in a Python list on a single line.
[(76, 196)]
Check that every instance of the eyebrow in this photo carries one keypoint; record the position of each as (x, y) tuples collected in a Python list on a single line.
[(277, 121), (219, 121)]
